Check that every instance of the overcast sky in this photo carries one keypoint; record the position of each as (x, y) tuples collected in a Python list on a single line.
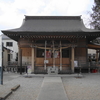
[(12, 11)]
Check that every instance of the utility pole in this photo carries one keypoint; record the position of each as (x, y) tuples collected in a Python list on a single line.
[(1, 60)]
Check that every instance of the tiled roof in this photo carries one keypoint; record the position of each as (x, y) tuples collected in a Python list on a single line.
[(51, 25)]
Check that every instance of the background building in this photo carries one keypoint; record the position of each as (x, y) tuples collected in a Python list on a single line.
[(10, 51)]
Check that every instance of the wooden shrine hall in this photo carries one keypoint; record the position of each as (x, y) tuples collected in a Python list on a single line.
[(57, 43)]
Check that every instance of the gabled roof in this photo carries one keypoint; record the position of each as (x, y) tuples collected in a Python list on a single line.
[(51, 25)]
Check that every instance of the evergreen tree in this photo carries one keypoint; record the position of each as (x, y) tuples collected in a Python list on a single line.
[(95, 15)]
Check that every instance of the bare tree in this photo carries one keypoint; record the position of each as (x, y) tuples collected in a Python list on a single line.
[(95, 15)]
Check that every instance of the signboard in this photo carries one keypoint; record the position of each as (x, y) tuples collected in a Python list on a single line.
[(29, 69), (1, 69), (46, 61), (75, 63)]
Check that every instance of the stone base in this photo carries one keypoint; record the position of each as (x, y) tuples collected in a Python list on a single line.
[(52, 70)]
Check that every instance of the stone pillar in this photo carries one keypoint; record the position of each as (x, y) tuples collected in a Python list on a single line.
[(32, 60), (72, 59)]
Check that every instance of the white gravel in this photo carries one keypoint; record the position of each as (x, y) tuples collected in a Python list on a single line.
[(28, 90), (86, 88)]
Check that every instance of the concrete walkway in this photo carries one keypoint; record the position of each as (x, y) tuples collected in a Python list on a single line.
[(52, 89)]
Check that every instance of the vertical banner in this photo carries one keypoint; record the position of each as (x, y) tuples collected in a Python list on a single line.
[(1, 68), (48, 54)]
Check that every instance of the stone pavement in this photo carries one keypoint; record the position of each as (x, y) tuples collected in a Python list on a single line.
[(52, 89)]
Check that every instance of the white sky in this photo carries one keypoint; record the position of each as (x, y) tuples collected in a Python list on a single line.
[(12, 11)]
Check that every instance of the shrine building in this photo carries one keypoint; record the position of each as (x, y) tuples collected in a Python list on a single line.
[(46, 42)]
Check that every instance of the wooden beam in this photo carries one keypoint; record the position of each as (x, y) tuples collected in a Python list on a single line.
[(92, 46)]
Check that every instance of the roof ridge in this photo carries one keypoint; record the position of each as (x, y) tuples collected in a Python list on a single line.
[(53, 17)]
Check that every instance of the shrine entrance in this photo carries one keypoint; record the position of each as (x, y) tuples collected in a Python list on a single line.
[(53, 53)]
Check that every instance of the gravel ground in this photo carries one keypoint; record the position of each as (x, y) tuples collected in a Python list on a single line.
[(28, 90), (85, 88)]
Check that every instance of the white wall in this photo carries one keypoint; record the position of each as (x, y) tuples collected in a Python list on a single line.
[(0, 51), (91, 51), (14, 48), (5, 58)]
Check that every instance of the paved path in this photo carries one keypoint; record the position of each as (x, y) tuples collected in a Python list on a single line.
[(52, 89)]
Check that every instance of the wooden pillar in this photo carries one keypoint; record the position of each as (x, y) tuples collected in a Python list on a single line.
[(97, 56), (35, 52), (45, 56), (20, 59), (32, 60), (60, 57), (53, 55), (72, 59)]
